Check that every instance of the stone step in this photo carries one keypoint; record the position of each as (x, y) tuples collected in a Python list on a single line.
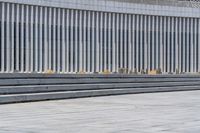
[(77, 87), (53, 81), (15, 98)]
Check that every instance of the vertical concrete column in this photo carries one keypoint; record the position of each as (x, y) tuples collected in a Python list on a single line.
[(164, 45), (81, 42), (184, 40), (114, 68), (149, 43), (27, 44), (71, 32), (75, 51), (3, 38), (22, 38), (117, 41), (8, 41), (49, 19), (141, 44), (133, 43), (161, 45), (125, 55), (157, 44), (180, 44), (17, 37), (58, 41), (84, 40), (172, 45), (54, 39), (93, 45), (153, 43), (109, 42), (63, 49), (41, 40), (67, 30), (101, 42), (176, 44), (89, 43), (12, 47), (36, 38), (129, 43), (191, 55), (198, 45), (105, 46), (137, 42), (145, 44), (168, 45), (188, 45), (46, 41), (195, 45), (121, 41), (97, 50), (32, 51)]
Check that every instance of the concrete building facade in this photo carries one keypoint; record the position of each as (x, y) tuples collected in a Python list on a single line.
[(69, 36)]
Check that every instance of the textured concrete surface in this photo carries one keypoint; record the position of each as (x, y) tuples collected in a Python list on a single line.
[(175, 112)]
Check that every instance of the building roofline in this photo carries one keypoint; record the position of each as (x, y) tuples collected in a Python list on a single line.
[(118, 7)]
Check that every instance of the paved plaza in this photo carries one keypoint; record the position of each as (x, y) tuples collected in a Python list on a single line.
[(175, 112)]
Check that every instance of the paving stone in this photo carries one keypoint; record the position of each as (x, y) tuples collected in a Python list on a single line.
[(174, 112)]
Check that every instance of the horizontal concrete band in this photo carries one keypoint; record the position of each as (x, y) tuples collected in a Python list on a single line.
[(82, 94), (78, 87), (114, 6), (37, 87), (86, 81)]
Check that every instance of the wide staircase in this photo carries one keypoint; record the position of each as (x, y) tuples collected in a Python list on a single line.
[(38, 87)]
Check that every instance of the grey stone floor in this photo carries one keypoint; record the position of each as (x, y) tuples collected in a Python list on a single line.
[(175, 112)]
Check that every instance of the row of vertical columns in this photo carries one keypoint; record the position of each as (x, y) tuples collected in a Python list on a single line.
[(38, 39)]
